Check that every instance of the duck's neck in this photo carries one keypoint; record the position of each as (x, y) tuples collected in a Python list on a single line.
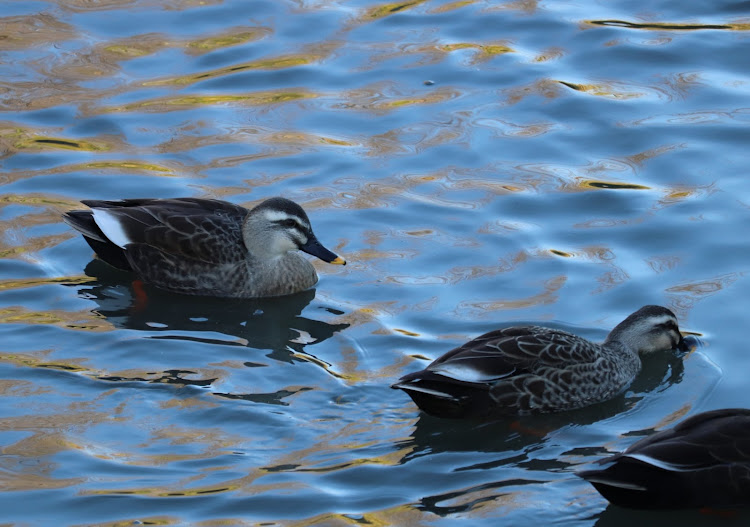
[(624, 356), (284, 275), (622, 340)]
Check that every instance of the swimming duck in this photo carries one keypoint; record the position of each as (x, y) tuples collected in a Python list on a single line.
[(704, 461), (205, 246), (533, 369)]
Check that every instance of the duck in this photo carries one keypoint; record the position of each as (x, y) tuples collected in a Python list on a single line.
[(533, 369), (205, 247), (704, 461)]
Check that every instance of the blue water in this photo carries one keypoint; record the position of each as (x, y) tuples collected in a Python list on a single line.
[(477, 163)]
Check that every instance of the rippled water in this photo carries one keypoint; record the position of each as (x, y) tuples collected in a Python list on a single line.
[(478, 164)]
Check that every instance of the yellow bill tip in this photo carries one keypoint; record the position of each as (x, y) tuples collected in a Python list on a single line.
[(338, 261)]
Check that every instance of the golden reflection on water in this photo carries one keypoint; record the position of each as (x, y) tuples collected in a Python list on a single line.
[(322, 457), (83, 320), (668, 26), (82, 6), (37, 361), (613, 90), (25, 247), (548, 295), (662, 264), (382, 98), (550, 54), (676, 86), (161, 520), (700, 288), (15, 138), (29, 463), (508, 129), (276, 63), (436, 189), (228, 38), (21, 32), (384, 10), (183, 102), (452, 6)]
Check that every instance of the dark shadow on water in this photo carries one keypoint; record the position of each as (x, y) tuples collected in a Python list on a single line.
[(275, 325), (167, 377), (514, 433), (276, 398), (516, 443)]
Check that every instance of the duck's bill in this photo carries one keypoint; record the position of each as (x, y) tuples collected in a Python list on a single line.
[(689, 342), (315, 248)]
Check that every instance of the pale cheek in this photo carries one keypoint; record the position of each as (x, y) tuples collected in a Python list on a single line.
[(282, 245), (664, 343)]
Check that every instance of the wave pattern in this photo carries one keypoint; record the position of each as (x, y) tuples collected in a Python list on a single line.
[(478, 164)]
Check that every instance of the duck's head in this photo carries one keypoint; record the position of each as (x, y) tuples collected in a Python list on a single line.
[(277, 226), (650, 329)]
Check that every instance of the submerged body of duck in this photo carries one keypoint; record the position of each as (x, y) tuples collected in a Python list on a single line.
[(205, 246), (704, 461), (534, 369)]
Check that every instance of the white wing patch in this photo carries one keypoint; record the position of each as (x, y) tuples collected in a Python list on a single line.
[(422, 389), (462, 372), (658, 463), (110, 226), (615, 483)]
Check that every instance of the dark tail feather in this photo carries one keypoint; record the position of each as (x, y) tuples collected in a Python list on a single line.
[(444, 397), (637, 485), (83, 222)]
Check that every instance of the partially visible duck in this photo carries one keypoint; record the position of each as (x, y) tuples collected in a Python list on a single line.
[(704, 461), (205, 246), (533, 369)]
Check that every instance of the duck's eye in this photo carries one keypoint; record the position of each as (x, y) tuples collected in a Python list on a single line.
[(288, 223)]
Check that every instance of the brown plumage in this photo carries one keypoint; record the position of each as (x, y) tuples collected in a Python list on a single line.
[(533, 369), (204, 246)]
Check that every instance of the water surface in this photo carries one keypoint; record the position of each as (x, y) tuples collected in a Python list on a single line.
[(477, 163)]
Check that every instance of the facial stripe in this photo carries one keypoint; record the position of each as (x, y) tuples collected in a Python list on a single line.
[(663, 320), (274, 216), (298, 236)]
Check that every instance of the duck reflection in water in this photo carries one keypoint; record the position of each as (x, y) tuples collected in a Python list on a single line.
[(275, 324), (511, 447), (523, 370), (516, 435)]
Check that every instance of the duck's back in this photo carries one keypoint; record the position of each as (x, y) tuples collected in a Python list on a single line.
[(203, 229), (519, 370), (559, 371), (187, 245)]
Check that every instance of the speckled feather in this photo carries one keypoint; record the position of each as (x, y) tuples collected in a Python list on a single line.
[(528, 369), (197, 246), (202, 229)]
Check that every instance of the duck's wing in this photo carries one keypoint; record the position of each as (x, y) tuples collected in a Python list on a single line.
[(479, 378), (205, 230), (513, 351), (554, 370), (703, 461)]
